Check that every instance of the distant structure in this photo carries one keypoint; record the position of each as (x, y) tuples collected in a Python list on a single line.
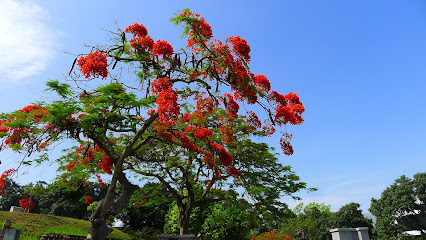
[(16, 209), (360, 233)]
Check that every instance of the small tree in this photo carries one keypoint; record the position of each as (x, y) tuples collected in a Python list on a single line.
[(350, 216), (401, 207), (170, 116)]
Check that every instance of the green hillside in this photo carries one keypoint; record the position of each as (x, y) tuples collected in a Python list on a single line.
[(33, 226)]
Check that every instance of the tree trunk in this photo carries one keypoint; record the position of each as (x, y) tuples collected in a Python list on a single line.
[(108, 207), (184, 214), (99, 229)]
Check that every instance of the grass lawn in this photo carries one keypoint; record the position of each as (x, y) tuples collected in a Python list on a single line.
[(33, 226)]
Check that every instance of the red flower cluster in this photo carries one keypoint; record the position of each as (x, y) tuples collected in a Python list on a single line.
[(26, 203), (231, 106), (224, 156), (29, 108), (137, 29), (161, 84), (268, 129), (145, 44), (162, 48), (240, 47), (105, 164), (253, 121), (102, 184), (3, 176), (285, 144), (88, 199), (94, 65), (70, 166), (203, 134), (262, 83), (289, 109), (271, 236)]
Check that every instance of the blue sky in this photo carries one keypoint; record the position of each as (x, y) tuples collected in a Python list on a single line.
[(358, 67)]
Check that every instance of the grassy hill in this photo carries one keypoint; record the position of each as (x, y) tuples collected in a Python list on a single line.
[(33, 226)]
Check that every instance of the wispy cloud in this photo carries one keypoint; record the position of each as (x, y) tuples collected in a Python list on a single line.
[(26, 42)]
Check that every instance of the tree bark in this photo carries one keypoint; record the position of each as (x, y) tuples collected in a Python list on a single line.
[(184, 215)]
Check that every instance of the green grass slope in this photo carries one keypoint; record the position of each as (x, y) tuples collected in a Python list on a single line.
[(33, 226)]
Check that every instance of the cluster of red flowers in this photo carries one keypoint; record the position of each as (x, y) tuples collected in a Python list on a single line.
[(224, 156), (145, 44), (253, 121), (240, 47), (203, 134), (3, 177), (94, 65), (268, 129), (137, 29), (89, 156), (288, 108), (161, 84), (285, 144), (26, 203), (88, 199), (167, 106), (102, 184), (262, 83), (271, 236), (231, 105), (200, 32), (162, 48), (29, 108)]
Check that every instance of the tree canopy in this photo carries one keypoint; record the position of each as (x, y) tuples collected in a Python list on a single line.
[(401, 207), (183, 117)]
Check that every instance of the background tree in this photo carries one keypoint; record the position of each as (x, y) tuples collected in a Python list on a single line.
[(66, 199), (350, 216), (113, 133), (12, 194), (401, 207), (147, 210), (309, 222)]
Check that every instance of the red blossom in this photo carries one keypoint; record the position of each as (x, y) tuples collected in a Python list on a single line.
[(161, 84), (262, 83), (144, 44), (253, 121), (88, 199), (268, 129), (3, 176), (94, 65), (105, 164), (231, 106), (137, 29), (29, 108), (167, 107), (240, 47), (285, 144), (26, 203), (203, 134), (163, 48), (224, 156), (70, 166)]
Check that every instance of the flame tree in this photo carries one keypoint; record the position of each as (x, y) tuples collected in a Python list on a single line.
[(182, 118)]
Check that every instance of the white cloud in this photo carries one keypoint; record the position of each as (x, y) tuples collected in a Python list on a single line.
[(26, 43)]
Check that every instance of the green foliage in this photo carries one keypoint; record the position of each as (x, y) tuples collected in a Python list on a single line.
[(349, 216), (310, 222), (172, 221), (62, 89), (230, 222), (62, 199), (12, 194), (401, 207), (154, 202)]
